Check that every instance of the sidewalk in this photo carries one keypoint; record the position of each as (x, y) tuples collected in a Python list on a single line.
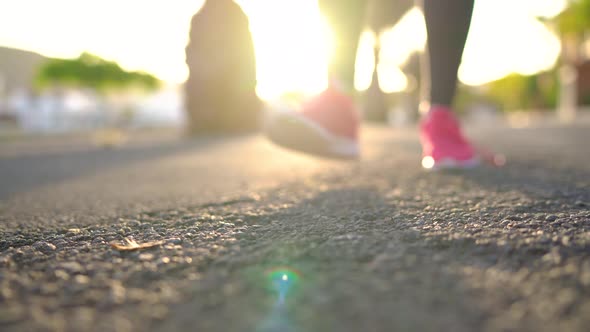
[(258, 239)]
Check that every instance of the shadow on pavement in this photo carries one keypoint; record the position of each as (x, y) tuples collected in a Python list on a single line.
[(482, 250), (24, 173)]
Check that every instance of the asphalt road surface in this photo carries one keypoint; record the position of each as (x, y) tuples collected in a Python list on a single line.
[(253, 238)]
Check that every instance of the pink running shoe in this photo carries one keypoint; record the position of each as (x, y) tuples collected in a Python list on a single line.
[(443, 144), (326, 126)]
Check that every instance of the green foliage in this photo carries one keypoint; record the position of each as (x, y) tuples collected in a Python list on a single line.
[(575, 19), (519, 92), (90, 71)]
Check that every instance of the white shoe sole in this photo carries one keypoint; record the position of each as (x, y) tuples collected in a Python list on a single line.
[(448, 164), (293, 131)]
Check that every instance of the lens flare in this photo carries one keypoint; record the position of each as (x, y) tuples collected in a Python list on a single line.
[(428, 162), (282, 280), (283, 273)]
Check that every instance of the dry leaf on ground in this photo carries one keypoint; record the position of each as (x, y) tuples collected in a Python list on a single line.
[(131, 245)]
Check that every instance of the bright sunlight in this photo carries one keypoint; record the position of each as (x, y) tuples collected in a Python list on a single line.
[(292, 41)]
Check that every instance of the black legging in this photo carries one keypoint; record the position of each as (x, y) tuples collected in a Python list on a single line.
[(447, 24)]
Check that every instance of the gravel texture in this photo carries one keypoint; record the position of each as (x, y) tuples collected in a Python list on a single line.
[(375, 245)]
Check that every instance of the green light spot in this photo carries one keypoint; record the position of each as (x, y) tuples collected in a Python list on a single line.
[(283, 274)]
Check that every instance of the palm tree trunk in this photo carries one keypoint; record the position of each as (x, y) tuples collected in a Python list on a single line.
[(568, 80)]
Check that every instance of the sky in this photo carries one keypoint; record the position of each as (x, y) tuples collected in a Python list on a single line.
[(150, 35)]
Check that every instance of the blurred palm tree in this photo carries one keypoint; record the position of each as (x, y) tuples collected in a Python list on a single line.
[(573, 28), (91, 71), (574, 21), (105, 79)]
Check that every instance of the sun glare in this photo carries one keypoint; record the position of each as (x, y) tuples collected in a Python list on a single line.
[(521, 44), (397, 45), (292, 44), (365, 61)]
